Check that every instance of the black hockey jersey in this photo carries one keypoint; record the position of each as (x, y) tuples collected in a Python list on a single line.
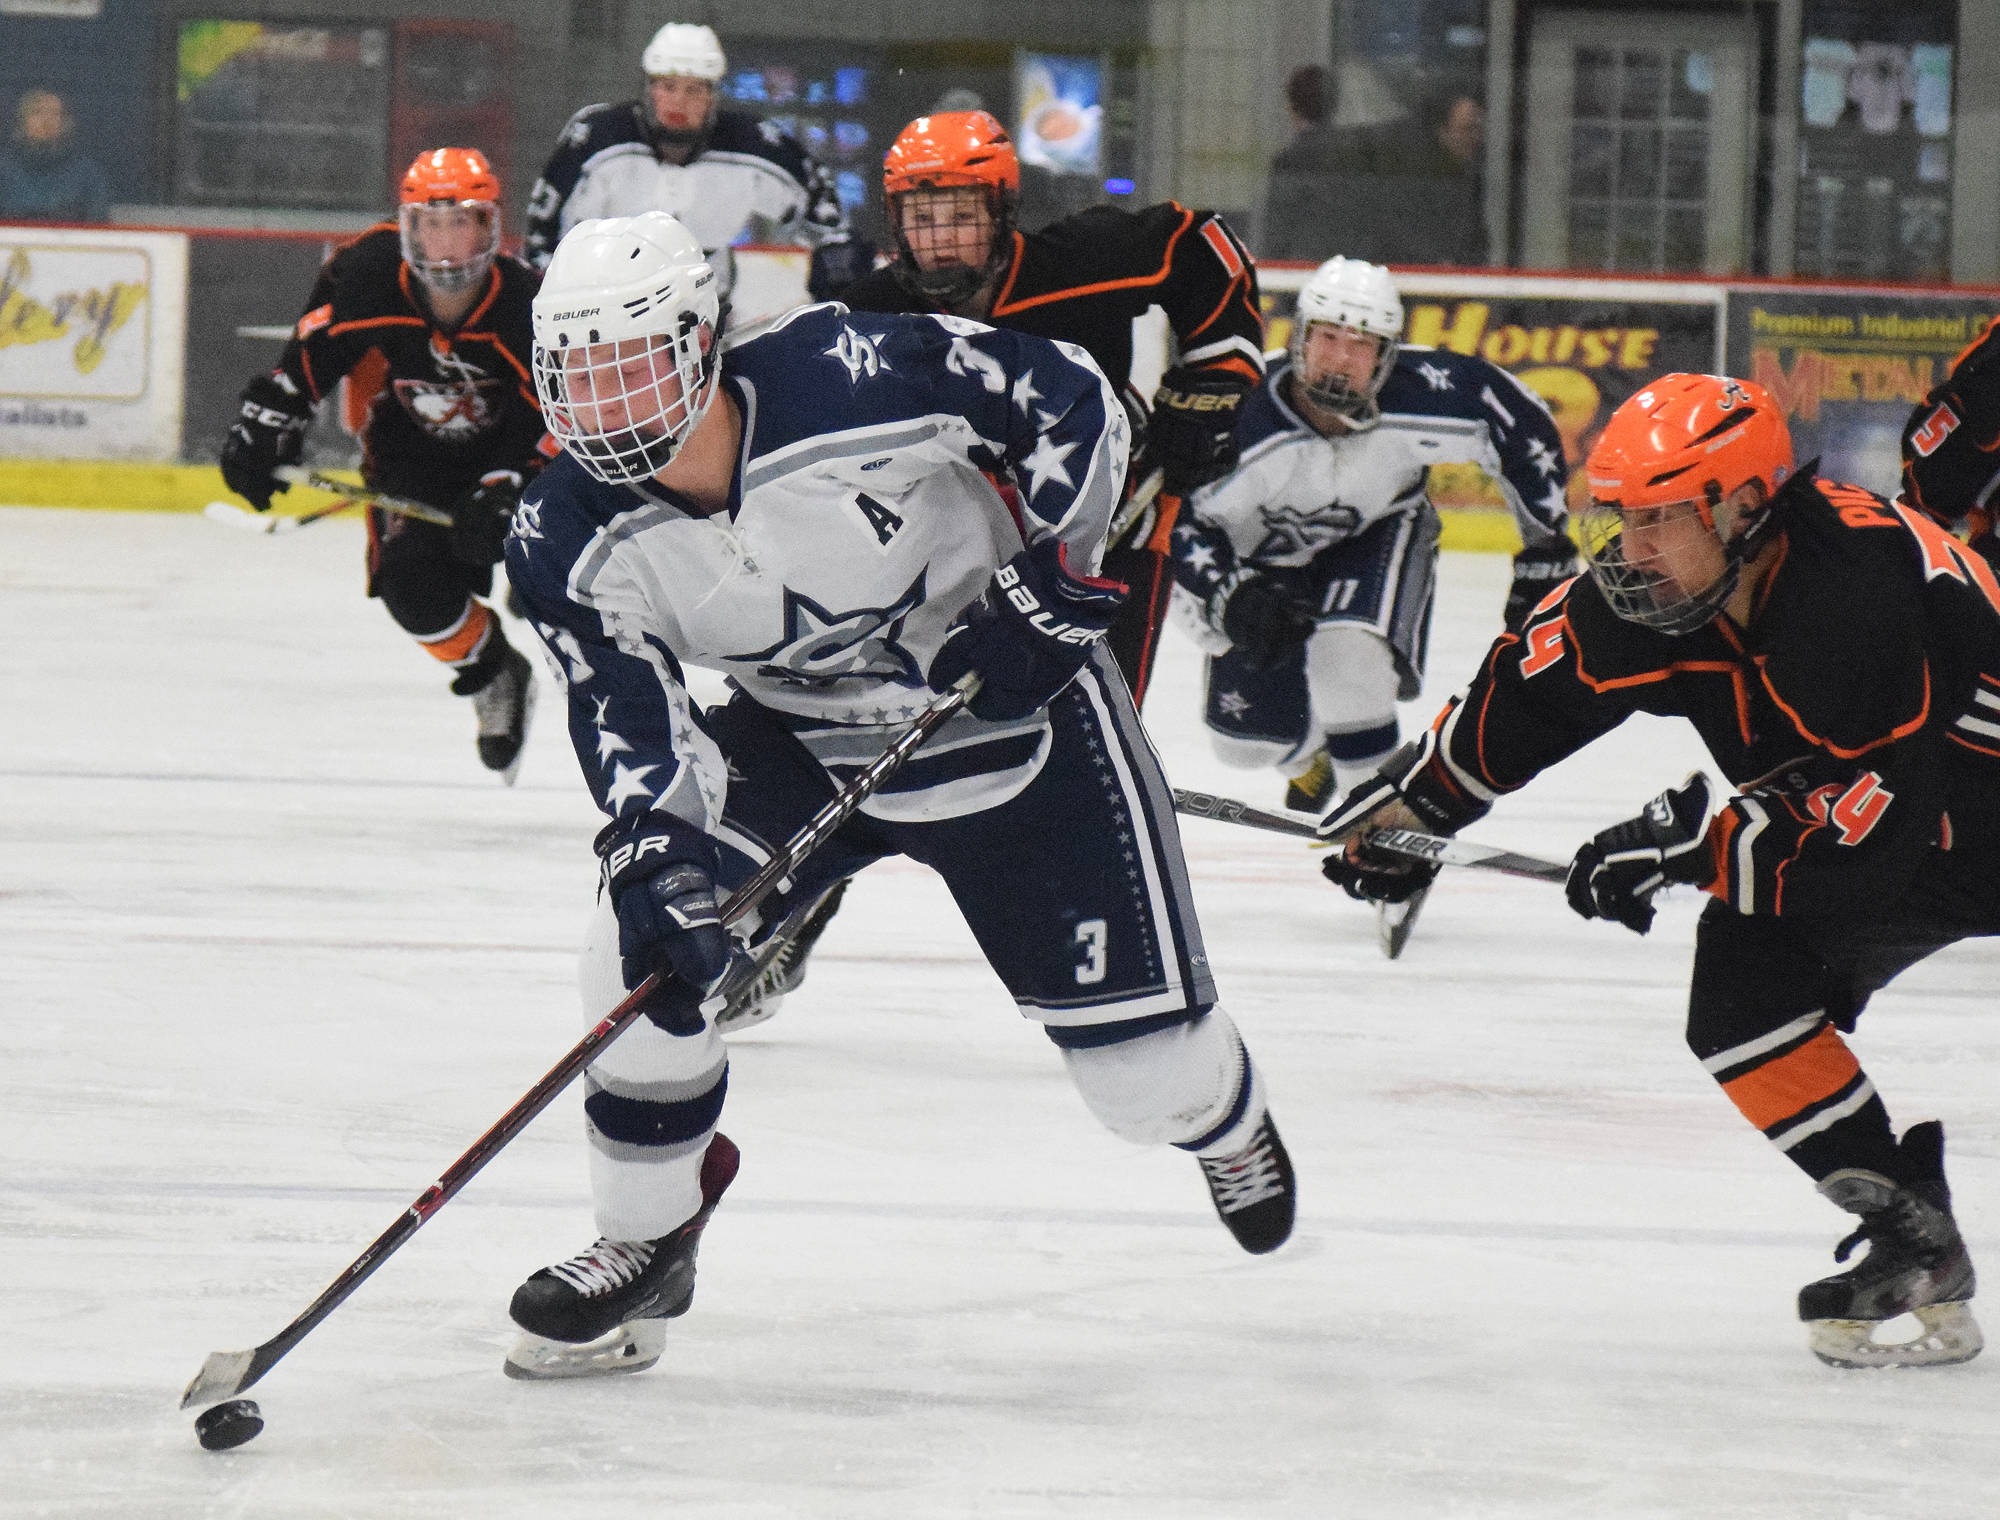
[(1085, 278), (1951, 444), (456, 403), (1858, 714)]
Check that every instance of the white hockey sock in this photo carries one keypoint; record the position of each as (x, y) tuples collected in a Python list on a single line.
[(1191, 1085)]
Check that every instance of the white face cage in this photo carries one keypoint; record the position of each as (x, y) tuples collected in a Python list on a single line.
[(624, 408), (1638, 587), (450, 244), (1334, 392)]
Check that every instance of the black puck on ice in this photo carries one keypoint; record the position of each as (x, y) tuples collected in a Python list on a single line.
[(229, 1424)]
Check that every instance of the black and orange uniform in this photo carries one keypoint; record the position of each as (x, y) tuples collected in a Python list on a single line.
[(456, 404), (1083, 280), (1951, 445), (1858, 717)]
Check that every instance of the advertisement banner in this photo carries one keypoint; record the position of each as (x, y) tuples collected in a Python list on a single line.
[(91, 333), (1848, 365), (1583, 346)]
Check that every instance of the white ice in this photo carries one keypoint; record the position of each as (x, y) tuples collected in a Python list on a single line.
[(274, 951)]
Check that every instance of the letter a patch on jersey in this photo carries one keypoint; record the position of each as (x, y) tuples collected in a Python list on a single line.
[(885, 522)]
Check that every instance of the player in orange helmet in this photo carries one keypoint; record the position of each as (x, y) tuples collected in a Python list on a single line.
[(456, 425), (1840, 657), (952, 184)]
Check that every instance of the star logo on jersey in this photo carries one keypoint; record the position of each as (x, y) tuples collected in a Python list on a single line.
[(1045, 463), (1025, 394), (527, 521), (627, 782), (1543, 458), (1435, 375), (1553, 501), (1293, 535), (1232, 704), (822, 648), (858, 354)]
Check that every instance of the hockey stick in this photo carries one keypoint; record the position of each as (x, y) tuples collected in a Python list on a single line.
[(227, 1373), (1408, 842), (361, 496), (1144, 496), (231, 515)]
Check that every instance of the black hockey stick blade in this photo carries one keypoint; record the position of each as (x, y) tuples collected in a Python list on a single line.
[(1229, 810), (227, 1373), (1463, 852)]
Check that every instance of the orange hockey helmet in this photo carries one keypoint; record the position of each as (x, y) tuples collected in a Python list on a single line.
[(950, 152), (450, 217), (1674, 453)]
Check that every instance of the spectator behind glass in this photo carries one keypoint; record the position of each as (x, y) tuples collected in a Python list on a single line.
[(1310, 172), (42, 175)]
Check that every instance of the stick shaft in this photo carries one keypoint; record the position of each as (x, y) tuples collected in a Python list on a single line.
[(226, 1374)]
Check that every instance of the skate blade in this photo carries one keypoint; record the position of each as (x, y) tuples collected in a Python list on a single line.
[(1949, 1335), (632, 1347), (513, 770), (1395, 921), (749, 1015)]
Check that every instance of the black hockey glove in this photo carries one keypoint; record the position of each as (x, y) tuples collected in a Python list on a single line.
[(835, 266), (269, 431), (480, 519), (660, 872), (1538, 570), (1404, 792), (1264, 619), (1617, 873), (1192, 435), (1027, 634)]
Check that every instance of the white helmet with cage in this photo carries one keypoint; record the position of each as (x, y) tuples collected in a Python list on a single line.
[(1359, 296), (694, 52), (626, 351)]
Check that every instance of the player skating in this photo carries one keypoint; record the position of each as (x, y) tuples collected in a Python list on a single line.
[(722, 172), (1951, 446), (1309, 571), (951, 183), (456, 425), (809, 516), (1840, 657)]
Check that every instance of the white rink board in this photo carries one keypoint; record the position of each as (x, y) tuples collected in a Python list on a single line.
[(91, 338), (276, 951)]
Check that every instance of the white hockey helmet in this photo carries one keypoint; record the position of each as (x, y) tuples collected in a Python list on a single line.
[(625, 343), (682, 48), (1360, 296)]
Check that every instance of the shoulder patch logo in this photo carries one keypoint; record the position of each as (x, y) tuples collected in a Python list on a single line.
[(859, 355), (314, 320)]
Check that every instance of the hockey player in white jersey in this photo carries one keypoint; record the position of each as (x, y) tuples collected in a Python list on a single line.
[(1308, 573), (812, 515), (721, 172)]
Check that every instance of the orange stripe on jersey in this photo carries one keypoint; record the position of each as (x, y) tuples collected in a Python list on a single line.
[(462, 640), (1721, 834), (1901, 731), (1815, 1071), (1222, 306), (356, 325), (1225, 250), (1003, 305)]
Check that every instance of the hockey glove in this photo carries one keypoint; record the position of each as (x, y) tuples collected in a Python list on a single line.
[(480, 519), (660, 872), (1617, 873), (1264, 619), (1027, 634), (268, 432), (1538, 570), (1404, 793), (1192, 435)]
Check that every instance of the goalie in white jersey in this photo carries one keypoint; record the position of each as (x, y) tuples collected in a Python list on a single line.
[(812, 514), (1307, 573)]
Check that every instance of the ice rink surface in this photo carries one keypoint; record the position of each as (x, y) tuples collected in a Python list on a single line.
[(274, 950)]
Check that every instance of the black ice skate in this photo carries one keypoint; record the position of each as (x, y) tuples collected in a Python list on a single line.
[(1311, 791), (1394, 921), (1254, 1190), (606, 1309), (503, 704), (1916, 1265), (780, 964)]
